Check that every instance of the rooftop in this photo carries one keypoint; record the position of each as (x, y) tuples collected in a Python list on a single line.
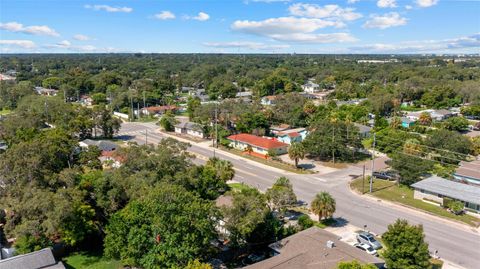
[(35, 260), (159, 108), (452, 189), (190, 126), (103, 145), (469, 169), (308, 250), (257, 141)]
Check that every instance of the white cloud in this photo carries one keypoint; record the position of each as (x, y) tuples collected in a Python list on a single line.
[(283, 25), (165, 15), (385, 21), (324, 12), (108, 8), (26, 44), (246, 45), (408, 7), (81, 37), (202, 16), (352, 1), (426, 3), (67, 45), (386, 3), (292, 29), (33, 30), (64, 44), (460, 44)]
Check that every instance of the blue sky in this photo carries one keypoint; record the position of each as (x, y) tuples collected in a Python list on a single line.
[(245, 26)]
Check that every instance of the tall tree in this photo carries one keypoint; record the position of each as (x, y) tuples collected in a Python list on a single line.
[(405, 246), (281, 194)]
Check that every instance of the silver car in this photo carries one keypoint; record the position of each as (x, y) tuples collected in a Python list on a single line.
[(369, 239)]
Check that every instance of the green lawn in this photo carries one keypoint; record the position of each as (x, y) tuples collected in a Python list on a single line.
[(85, 260), (388, 190), (238, 187), (5, 112)]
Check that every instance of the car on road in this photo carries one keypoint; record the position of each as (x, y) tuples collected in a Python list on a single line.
[(369, 239), (367, 248)]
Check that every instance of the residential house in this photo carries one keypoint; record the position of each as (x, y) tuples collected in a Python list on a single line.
[(291, 136), (351, 102), (5, 77), (41, 259), (268, 100), (310, 87), (468, 172), (436, 189), (158, 110), (86, 100), (103, 145), (311, 249), (259, 145), (364, 130), (45, 91), (441, 114), (275, 129), (407, 123), (190, 128)]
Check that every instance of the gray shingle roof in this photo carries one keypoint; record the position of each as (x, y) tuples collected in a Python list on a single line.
[(190, 126), (452, 189), (103, 145), (308, 250), (35, 260)]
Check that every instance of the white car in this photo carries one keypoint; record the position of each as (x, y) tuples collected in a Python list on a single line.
[(367, 248)]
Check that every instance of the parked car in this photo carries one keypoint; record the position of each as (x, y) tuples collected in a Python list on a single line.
[(369, 239), (387, 175), (367, 248)]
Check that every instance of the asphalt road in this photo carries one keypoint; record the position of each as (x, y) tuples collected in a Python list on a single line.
[(454, 242)]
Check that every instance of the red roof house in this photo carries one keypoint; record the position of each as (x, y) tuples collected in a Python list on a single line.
[(260, 145)]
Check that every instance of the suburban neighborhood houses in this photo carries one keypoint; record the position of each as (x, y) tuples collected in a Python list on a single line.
[(228, 161)]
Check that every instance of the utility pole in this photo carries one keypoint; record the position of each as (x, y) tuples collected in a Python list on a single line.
[(144, 99), (216, 124), (373, 163), (333, 144), (146, 136), (363, 180)]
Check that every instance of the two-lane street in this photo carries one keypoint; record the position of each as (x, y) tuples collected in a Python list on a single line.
[(454, 242)]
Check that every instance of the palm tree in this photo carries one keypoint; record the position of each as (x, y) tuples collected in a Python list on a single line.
[(296, 151), (323, 205), (425, 119)]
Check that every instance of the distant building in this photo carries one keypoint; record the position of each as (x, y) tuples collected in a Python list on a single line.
[(41, 259), (275, 129), (5, 77), (103, 145), (351, 102), (158, 110), (190, 128), (468, 172), (45, 91), (269, 100), (407, 123), (377, 61), (313, 248), (436, 189), (363, 130), (437, 115), (291, 136), (259, 145), (310, 87)]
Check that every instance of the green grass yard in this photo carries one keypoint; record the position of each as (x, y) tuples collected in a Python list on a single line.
[(5, 112), (86, 260), (388, 190)]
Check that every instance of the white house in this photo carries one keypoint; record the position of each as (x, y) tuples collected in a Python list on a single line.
[(190, 128), (268, 100), (292, 135), (311, 87)]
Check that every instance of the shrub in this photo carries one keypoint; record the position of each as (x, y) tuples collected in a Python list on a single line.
[(305, 222)]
